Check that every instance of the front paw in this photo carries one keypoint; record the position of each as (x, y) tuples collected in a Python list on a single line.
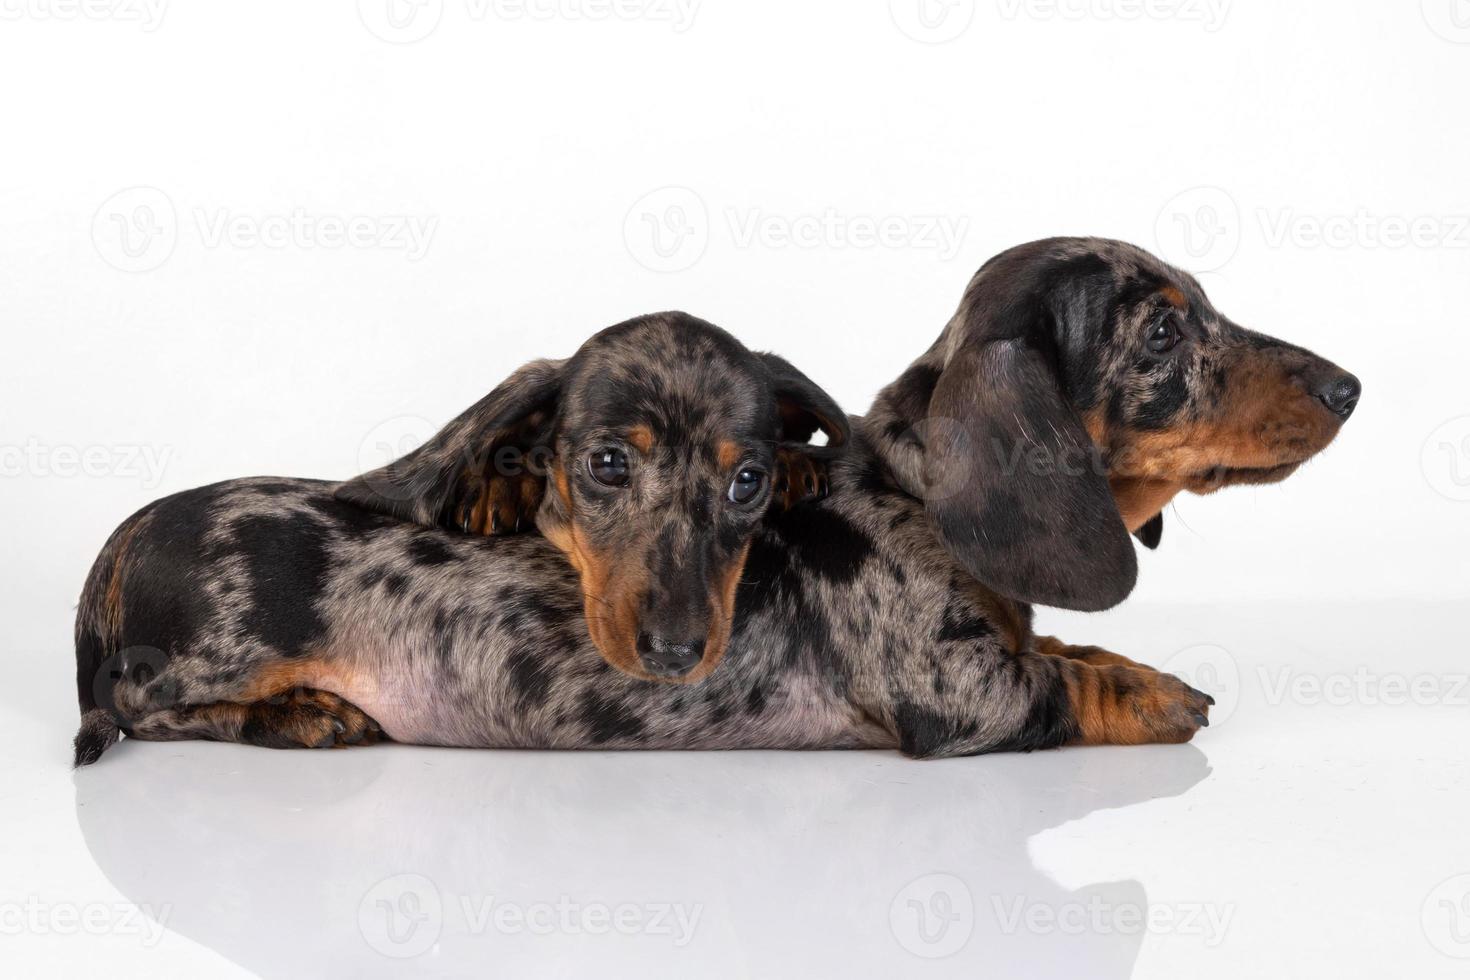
[(798, 478), (1135, 706), (1095, 656), (500, 505)]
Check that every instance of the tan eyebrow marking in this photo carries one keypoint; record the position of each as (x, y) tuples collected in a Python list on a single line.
[(641, 437), (1175, 297)]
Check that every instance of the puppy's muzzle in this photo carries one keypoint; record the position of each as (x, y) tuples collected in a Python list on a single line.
[(666, 658)]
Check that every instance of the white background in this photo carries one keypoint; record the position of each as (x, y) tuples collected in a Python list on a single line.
[(564, 167)]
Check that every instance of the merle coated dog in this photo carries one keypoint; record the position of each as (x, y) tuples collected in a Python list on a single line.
[(1080, 386), (665, 442)]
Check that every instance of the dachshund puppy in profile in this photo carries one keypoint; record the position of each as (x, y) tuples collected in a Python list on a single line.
[(1079, 387)]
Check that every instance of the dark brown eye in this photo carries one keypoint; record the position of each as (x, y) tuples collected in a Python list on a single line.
[(746, 486), (1163, 337), (609, 467)]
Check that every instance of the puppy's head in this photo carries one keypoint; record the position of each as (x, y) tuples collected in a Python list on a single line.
[(1080, 386), (652, 451)]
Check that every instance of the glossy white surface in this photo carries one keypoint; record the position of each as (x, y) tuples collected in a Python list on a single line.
[(1317, 829)]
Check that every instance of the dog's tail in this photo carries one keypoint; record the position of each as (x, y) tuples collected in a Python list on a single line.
[(99, 732), (98, 640), (99, 729)]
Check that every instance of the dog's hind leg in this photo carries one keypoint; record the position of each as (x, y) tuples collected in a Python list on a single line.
[(298, 719)]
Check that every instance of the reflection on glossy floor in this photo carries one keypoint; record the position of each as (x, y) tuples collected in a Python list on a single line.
[(1317, 829)]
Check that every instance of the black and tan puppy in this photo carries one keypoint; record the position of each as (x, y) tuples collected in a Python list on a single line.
[(1080, 387), (664, 441), (1081, 384)]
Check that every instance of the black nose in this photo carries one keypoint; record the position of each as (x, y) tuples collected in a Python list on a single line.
[(664, 658), (1340, 394)]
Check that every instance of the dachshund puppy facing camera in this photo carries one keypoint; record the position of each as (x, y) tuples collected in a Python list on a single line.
[(662, 443), (233, 611)]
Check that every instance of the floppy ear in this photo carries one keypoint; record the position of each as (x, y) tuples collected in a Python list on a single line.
[(1152, 531), (482, 472), (804, 409), (1014, 486)]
